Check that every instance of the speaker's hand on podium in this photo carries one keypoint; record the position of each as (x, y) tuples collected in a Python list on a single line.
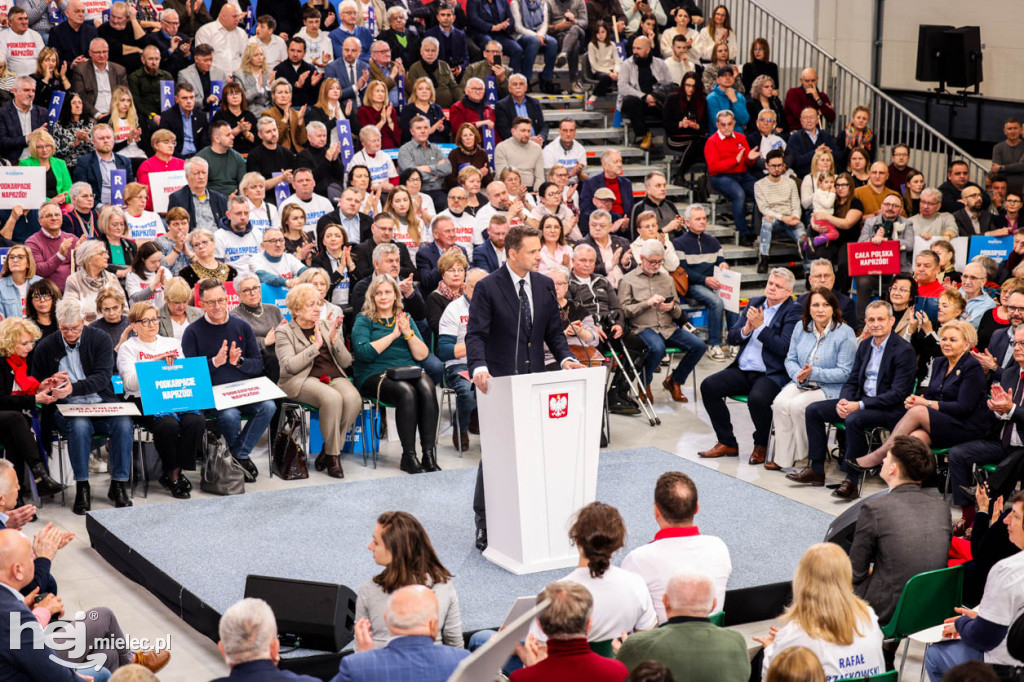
[(572, 364), (480, 381)]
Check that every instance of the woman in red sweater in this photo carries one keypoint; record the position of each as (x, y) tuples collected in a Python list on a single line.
[(378, 111)]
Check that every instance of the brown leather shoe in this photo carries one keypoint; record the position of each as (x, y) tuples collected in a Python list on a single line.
[(807, 475), (334, 469), (154, 661), (646, 142), (772, 466), (847, 490), (758, 455), (650, 396), (474, 423), (460, 440), (675, 389), (719, 451)]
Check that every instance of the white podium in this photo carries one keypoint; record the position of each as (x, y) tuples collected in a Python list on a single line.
[(540, 436)]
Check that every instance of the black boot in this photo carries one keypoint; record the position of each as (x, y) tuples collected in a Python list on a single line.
[(83, 498), (762, 264), (45, 486), (429, 461), (118, 494), (409, 464)]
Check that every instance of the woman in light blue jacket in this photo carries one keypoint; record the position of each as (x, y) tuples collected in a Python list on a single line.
[(820, 358), (18, 273)]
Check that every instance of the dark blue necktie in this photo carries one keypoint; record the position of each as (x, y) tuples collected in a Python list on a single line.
[(524, 310)]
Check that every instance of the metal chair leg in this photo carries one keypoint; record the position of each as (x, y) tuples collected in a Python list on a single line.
[(903, 660)]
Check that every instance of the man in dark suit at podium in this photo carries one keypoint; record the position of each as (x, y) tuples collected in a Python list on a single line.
[(513, 314)]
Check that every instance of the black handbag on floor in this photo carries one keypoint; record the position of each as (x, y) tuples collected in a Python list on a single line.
[(289, 459)]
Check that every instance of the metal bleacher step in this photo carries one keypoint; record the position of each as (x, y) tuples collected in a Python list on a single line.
[(594, 152), (564, 101), (582, 118), (584, 134)]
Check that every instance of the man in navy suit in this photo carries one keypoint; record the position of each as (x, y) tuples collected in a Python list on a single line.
[(882, 377), (613, 179), (998, 354), (514, 313), (249, 644), (411, 655), (822, 275), (451, 40), (187, 122), (13, 140), (347, 66), (90, 166), (197, 192), (518, 103), (26, 662), (491, 254), (762, 335), (428, 254)]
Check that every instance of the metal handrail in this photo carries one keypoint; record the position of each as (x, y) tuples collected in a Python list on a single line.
[(892, 123)]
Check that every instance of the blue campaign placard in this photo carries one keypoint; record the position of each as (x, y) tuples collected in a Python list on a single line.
[(180, 387), (216, 87), (166, 95), (998, 248), (54, 13), (345, 140), (56, 104), (491, 88), (282, 190), (276, 296), (371, 19), (118, 178), (251, 16), (489, 144), (400, 88)]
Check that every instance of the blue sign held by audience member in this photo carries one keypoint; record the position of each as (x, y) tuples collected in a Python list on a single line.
[(56, 104), (3, 256), (166, 95), (488, 132), (998, 248), (621, 48), (491, 89), (345, 140), (276, 296), (400, 88), (118, 178), (282, 190), (251, 16), (54, 13), (118, 383), (181, 387), (371, 19), (216, 87)]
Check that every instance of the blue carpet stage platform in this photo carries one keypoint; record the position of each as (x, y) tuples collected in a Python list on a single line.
[(195, 556)]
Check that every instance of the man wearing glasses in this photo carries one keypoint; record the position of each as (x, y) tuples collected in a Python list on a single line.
[(383, 69), (763, 140), (779, 202), (84, 358), (234, 355), (998, 354), (96, 79), (973, 289), (175, 48), (889, 225), (50, 247), (490, 65), (972, 219), (930, 221)]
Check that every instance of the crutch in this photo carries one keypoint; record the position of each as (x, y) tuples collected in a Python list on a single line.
[(634, 380)]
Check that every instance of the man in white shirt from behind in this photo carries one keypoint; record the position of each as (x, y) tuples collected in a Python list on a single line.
[(678, 544)]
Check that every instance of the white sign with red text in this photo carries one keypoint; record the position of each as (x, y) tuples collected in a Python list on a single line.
[(23, 186), (162, 185), (239, 393), (730, 290), (98, 409)]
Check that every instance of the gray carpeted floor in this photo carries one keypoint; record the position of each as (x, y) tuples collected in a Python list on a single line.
[(320, 532)]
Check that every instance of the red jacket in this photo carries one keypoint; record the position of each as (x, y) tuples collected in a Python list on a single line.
[(459, 113), (720, 154), (571, 660)]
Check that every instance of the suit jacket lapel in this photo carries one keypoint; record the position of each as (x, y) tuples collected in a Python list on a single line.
[(507, 288)]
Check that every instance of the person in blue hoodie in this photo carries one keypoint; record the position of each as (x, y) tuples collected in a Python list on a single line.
[(725, 96), (699, 253)]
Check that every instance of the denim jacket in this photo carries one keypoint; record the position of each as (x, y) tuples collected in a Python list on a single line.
[(830, 356)]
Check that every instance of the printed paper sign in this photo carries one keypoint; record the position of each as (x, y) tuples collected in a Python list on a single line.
[(867, 258), (99, 410), (180, 387), (993, 247), (730, 291), (166, 95), (56, 104), (23, 186), (118, 178), (162, 185), (246, 392), (400, 91)]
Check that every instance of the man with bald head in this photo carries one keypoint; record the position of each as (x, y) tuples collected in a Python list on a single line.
[(638, 77), (972, 219), (227, 40), (874, 193), (351, 72), (96, 78), (412, 619), (71, 38), (807, 95), (806, 140)]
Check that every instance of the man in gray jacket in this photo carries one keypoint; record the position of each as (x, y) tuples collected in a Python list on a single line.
[(638, 77), (567, 23)]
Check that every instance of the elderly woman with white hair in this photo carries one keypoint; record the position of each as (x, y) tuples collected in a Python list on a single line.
[(264, 318), (446, 89), (310, 350), (91, 275), (404, 43), (577, 324), (114, 235), (321, 279), (177, 437), (262, 213), (324, 159), (177, 312), (204, 264), (83, 218)]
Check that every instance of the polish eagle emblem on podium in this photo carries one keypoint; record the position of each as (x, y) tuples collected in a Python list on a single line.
[(558, 405)]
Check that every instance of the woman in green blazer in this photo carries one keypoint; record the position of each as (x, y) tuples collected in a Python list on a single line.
[(58, 180)]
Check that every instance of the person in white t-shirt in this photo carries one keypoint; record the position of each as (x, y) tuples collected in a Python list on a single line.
[(319, 50), (382, 168), (146, 280), (847, 638), (678, 544), (143, 225), (315, 205), (262, 213), (273, 265), (566, 151), (235, 241), (980, 634), (20, 44)]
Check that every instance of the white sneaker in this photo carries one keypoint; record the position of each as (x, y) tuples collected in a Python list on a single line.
[(734, 352), (97, 465), (716, 353)]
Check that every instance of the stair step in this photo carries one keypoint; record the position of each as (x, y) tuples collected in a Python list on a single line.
[(582, 134), (579, 115), (594, 152), (565, 101)]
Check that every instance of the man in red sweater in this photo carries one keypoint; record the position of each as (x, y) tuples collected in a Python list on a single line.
[(728, 156), (566, 622)]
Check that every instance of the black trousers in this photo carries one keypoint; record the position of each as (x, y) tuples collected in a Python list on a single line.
[(857, 424), (415, 407), (963, 457), (19, 443), (177, 439), (637, 111), (760, 392)]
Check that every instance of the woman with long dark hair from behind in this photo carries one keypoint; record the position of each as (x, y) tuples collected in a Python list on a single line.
[(401, 545)]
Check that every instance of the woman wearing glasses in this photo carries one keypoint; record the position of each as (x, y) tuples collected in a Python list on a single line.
[(176, 436), (40, 303), (17, 275), (204, 264)]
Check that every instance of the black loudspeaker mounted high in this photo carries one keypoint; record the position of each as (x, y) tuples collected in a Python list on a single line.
[(318, 615), (961, 57), (930, 47), (841, 530)]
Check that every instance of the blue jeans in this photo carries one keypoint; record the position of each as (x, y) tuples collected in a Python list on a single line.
[(692, 347), (550, 54), (944, 655), (433, 367), (715, 309), (736, 186), (465, 398), (240, 440), (79, 432), (795, 232), (481, 637)]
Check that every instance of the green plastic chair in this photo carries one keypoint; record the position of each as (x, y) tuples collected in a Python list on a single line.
[(739, 398), (891, 676), (603, 648), (927, 600), (990, 468), (717, 618)]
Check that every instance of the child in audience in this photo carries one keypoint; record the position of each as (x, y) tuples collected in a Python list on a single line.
[(824, 201), (604, 61)]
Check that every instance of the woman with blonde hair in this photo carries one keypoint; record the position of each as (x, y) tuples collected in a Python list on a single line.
[(827, 618), (114, 235), (321, 280), (204, 264), (328, 109), (127, 126), (7, 78), (254, 76), (823, 164), (471, 179), (423, 102), (49, 79), (177, 312), (378, 111), (383, 337), (17, 275), (143, 225), (795, 664), (40, 150), (90, 276), (407, 229), (309, 349)]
